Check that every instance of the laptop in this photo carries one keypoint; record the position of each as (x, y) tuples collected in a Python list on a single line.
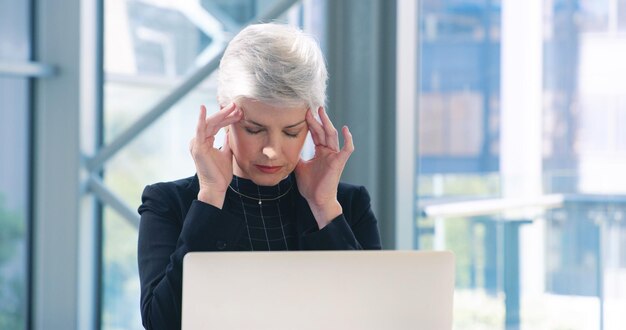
[(318, 290)]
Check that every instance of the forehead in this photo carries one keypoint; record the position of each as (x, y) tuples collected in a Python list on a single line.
[(271, 115)]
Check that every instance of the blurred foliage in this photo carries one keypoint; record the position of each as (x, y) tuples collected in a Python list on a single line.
[(12, 276)]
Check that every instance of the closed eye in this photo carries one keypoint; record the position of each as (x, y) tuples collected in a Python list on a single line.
[(253, 131)]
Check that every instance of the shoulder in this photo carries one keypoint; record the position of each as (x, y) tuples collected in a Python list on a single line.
[(350, 191), (178, 187), (170, 196), (354, 199)]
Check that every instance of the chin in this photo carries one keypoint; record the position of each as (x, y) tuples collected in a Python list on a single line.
[(267, 180)]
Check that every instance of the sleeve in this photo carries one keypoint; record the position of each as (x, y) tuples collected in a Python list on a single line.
[(164, 239), (359, 232)]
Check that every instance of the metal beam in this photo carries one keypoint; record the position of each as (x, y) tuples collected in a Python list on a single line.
[(56, 219), (406, 123), (361, 54), (27, 69), (95, 163), (106, 196), (491, 206)]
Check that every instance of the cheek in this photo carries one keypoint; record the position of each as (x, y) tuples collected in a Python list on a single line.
[(294, 148), (244, 145), (237, 142)]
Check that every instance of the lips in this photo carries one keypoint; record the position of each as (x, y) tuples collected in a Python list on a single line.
[(268, 169)]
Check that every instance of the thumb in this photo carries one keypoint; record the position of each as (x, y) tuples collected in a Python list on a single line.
[(191, 145)]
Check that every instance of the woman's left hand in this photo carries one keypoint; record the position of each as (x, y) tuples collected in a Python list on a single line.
[(318, 177)]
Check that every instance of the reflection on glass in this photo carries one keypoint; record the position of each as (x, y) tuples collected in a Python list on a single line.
[(150, 47), (530, 267), (12, 266), (14, 167)]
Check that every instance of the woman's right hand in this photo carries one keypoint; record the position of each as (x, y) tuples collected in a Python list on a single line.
[(214, 167)]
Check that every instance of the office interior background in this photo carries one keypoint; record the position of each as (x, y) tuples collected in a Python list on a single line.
[(492, 128)]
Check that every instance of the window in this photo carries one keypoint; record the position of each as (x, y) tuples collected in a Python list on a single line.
[(523, 119), (14, 167), (150, 48)]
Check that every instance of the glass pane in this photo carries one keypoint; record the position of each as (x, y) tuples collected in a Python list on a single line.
[(459, 102), (526, 261), (121, 309), (14, 31), (14, 167), (14, 202), (150, 47)]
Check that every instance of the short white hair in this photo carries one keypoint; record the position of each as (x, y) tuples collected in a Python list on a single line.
[(275, 64)]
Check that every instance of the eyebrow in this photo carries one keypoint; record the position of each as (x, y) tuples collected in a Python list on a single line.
[(261, 125)]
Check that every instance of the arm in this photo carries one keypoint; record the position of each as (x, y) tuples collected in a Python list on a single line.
[(318, 180), (164, 239), (357, 230)]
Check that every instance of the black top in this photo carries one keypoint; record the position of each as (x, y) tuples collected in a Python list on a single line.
[(174, 222), (269, 225)]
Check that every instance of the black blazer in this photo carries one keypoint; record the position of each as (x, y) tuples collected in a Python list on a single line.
[(174, 222)]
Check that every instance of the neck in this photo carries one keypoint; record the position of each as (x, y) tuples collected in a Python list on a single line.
[(249, 190)]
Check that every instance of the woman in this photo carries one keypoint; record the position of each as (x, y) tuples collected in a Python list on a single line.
[(254, 193)]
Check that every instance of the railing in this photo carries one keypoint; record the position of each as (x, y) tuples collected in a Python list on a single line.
[(605, 211)]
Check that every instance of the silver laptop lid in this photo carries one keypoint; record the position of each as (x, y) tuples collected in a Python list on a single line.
[(318, 290)]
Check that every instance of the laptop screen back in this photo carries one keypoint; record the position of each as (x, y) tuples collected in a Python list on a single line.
[(318, 290)]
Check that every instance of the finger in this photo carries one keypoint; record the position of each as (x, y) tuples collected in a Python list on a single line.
[(234, 117), (235, 111), (332, 137), (200, 129), (316, 129), (310, 122), (212, 122), (348, 144)]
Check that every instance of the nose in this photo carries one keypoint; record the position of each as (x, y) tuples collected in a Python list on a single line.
[(269, 152)]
